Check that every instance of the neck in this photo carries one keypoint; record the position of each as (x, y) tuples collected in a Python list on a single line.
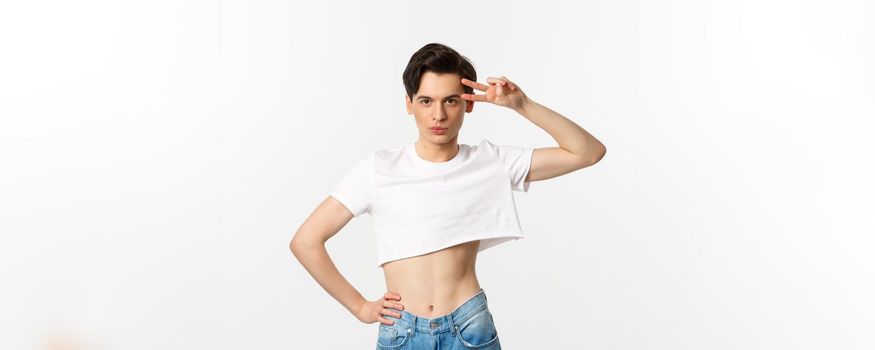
[(437, 152)]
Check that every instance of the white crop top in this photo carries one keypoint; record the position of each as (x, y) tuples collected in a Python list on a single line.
[(419, 206)]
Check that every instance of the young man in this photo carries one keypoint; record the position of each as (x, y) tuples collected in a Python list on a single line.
[(436, 203)]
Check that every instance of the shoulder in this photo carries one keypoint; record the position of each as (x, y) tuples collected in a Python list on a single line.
[(485, 146), (499, 149), (387, 157), (388, 152)]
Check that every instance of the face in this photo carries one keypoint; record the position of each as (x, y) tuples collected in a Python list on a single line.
[(438, 104)]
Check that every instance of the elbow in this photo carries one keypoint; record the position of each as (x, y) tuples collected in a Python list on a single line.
[(298, 248), (293, 245), (593, 157), (599, 154), (300, 244), (297, 245)]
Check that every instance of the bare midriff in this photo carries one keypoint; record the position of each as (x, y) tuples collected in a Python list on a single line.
[(434, 284)]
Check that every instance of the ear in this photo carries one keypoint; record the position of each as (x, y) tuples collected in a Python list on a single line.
[(469, 107), (408, 104)]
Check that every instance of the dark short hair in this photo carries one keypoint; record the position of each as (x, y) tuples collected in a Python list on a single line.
[(437, 58)]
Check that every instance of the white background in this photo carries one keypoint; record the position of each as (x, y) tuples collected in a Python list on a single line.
[(156, 157)]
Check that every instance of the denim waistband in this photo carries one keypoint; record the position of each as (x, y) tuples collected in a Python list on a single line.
[(446, 323)]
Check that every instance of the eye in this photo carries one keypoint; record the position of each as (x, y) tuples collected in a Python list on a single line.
[(424, 101), (452, 101)]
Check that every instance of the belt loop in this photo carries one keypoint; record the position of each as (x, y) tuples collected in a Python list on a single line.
[(451, 324), (413, 325)]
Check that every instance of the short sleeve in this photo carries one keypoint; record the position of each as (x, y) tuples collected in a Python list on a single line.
[(517, 160), (354, 189)]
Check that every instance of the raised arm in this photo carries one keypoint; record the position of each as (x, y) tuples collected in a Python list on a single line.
[(577, 148)]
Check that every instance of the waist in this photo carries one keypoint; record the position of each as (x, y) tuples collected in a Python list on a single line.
[(434, 284), (433, 301), (468, 309)]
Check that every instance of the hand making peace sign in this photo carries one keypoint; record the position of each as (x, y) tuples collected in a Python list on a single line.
[(500, 91)]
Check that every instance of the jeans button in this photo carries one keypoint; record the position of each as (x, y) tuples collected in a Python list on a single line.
[(434, 325)]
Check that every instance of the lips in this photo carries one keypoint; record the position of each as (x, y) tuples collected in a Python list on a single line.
[(437, 128)]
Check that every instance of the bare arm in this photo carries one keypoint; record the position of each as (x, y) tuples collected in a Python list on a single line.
[(308, 246), (577, 147)]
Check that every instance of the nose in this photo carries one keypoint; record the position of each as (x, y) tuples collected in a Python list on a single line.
[(439, 114)]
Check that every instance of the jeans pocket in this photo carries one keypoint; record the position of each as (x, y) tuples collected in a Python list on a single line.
[(391, 337), (478, 331)]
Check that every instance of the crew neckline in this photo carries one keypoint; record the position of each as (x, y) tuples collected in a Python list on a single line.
[(411, 150)]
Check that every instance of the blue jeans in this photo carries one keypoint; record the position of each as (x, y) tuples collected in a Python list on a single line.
[(469, 326)]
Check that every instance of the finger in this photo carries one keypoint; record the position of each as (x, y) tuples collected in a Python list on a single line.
[(385, 321), (388, 312), (474, 84), (390, 295), (473, 97), (393, 305), (498, 81), (507, 83)]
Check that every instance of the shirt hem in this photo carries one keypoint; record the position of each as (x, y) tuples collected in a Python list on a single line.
[(451, 243)]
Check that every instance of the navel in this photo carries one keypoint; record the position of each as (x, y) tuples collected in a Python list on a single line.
[(431, 308)]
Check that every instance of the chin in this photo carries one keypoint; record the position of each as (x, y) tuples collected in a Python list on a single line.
[(439, 138)]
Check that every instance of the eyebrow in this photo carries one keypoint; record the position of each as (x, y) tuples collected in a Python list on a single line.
[(422, 97)]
